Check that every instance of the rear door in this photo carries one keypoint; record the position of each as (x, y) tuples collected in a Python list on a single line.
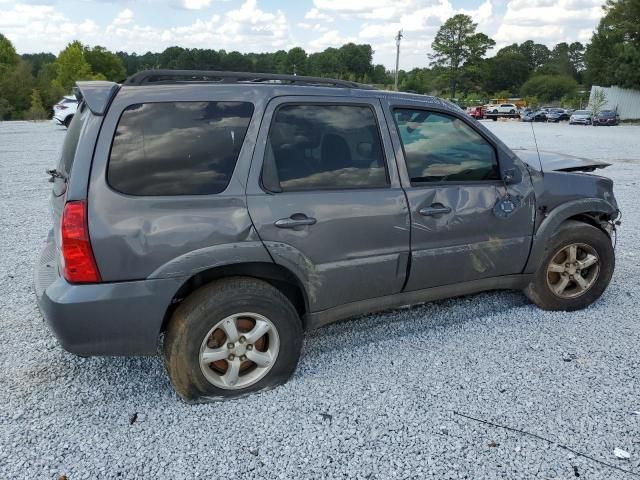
[(325, 198), (467, 224)]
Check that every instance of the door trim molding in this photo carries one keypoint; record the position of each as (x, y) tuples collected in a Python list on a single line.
[(416, 297)]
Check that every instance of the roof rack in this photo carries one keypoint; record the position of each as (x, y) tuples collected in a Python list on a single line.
[(147, 77)]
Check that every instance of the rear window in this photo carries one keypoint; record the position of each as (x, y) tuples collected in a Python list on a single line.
[(71, 139), (177, 148)]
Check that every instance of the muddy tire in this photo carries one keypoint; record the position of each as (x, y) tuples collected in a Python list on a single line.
[(575, 270), (230, 338)]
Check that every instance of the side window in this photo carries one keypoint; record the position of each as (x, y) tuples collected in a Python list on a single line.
[(314, 147), (177, 148), (441, 148)]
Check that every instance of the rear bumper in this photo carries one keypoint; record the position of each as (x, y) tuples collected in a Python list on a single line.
[(103, 319)]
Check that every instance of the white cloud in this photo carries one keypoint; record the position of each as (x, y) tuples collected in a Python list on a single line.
[(125, 17), (548, 21), (350, 5), (315, 14), (247, 28), (195, 4), (332, 38), (48, 25)]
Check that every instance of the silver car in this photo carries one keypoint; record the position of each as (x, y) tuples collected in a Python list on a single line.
[(582, 117)]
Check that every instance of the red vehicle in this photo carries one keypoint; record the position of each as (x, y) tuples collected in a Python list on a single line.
[(477, 112)]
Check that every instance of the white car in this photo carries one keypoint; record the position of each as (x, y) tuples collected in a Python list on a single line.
[(65, 109), (504, 108), (580, 116)]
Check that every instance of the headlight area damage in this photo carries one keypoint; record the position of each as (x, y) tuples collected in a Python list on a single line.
[(563, 184)]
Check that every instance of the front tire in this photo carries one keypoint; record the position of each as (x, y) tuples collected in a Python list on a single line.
[(67, 121), (575, 270), (232, 337)]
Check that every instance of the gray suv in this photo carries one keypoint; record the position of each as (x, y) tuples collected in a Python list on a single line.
[(220, 215)]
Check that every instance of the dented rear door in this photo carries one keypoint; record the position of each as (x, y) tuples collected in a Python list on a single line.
[(467, 223)]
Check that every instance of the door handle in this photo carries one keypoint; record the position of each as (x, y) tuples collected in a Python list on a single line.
[(435, 209), (296, 220)]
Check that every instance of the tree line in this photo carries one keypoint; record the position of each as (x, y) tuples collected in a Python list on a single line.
[(459, 67)]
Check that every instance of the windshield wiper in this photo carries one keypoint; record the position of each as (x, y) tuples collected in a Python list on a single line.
[(54, 173)]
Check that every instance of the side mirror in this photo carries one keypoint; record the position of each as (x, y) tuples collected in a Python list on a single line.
[(509, 176)]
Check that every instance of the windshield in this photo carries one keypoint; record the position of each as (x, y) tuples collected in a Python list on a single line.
[(581, 112)]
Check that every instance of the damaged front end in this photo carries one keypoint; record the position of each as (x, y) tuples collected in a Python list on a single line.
[(558, 162), (566, 182)]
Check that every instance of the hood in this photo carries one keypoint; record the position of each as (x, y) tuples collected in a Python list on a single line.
[(559, 162)]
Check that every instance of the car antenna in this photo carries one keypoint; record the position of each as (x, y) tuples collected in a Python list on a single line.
[(537, 149)]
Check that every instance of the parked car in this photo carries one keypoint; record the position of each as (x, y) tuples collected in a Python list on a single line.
[(606, 117), (556, 115), (64, 110), (535, 116), (477, 112), (223, 214), (581, 117), (505, 108)]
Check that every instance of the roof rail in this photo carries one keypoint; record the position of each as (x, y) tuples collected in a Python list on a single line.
[(147, 77)]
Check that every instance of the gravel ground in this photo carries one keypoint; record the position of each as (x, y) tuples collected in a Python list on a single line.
[(372, 398)]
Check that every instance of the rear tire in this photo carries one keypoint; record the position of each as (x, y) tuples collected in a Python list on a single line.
[(565, 283), (67, 121), (205, 362)]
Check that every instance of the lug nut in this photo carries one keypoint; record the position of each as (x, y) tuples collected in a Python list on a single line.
[(231, 357), (243, 358), (230, 346), (242, 340), (249, 347)]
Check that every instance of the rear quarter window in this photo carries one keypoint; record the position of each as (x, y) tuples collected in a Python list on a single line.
[(177, 148)]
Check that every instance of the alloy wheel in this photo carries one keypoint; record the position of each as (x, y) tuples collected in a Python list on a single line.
[(573, 270), (239, 350)]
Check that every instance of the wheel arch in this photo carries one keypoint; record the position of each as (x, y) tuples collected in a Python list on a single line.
[(276, 275), (593, 211)]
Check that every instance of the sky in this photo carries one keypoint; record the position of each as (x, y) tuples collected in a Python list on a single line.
[(270, 25)]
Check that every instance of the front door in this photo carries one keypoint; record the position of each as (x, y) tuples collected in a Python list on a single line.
[(466, 222), (325, 198)]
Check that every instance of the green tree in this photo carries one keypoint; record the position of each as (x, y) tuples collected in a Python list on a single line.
[(296, 61), (8, 55), (15, 87), (71, 66), (38, 61), (456, 46), (355, 59), (105, 63), (597, 101), (613, 55), (36, 111), (549, 87), (507, 71)]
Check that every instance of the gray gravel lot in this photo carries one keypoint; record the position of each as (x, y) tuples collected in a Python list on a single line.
[(372, 398)]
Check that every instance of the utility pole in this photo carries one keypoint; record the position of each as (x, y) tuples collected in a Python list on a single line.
[(398, 38)]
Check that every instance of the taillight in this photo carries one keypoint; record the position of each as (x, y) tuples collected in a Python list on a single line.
[(79, 264), (60, 107)]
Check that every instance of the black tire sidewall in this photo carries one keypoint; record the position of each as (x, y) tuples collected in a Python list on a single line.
[(203, 311), (574, 232)]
